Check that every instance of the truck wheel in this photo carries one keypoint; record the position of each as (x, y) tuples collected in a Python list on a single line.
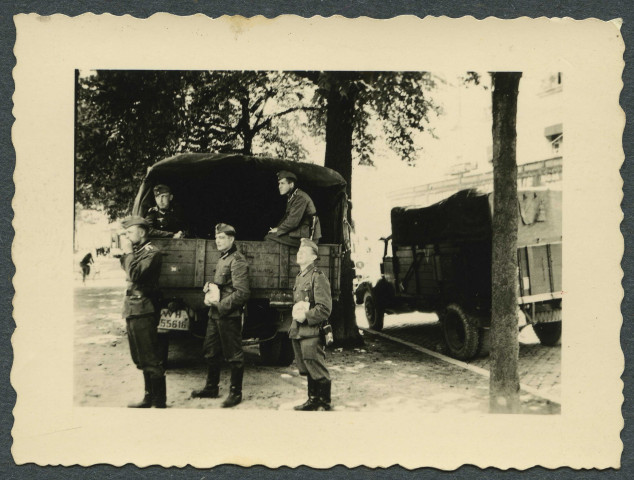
[(270, 351), (373, 313), (484, 342), (287, 355), (461, 333), (549, 334), (278, 351)]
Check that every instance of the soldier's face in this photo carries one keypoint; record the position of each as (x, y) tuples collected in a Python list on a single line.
[(224, 241), (284, 186), (305, 256), (135, 234), (163, 200)]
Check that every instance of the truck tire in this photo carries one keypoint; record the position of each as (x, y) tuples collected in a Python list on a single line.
[(461, 332), (484, 342), (373, 313), (549, 334), (287, 355), (278, 351)]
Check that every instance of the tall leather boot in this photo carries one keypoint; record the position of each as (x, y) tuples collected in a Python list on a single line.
[(147, 398), (210, 390), (158, 392), (323, 387), (311, 403), (235, 392)]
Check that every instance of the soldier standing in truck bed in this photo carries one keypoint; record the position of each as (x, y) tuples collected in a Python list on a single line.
[(300, 219), (142, 266), (313, 304), (224, 330), (165, 220)]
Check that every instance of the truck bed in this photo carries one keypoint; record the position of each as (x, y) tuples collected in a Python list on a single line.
[(189, 263)]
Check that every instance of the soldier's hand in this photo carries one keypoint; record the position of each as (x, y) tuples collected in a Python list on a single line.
[(178, 235), (272, 230), (299, 311)]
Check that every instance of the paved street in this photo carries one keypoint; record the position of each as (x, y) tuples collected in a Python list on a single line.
[(539, 366), (382, 376)]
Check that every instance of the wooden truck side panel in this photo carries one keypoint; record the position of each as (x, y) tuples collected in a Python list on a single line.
[(189, 263)]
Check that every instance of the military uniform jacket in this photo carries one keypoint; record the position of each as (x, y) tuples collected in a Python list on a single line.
[(313, 287), (142, 268), (232, 278), (298, 218), (165, 224)]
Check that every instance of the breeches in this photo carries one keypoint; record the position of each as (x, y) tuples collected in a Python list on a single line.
[(224, 338), (311, 358), (144, 346)]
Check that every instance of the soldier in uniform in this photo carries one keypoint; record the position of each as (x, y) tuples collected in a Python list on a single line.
[(313, 304), (224, 330), (300, 219), (165, 220), (142, 266)]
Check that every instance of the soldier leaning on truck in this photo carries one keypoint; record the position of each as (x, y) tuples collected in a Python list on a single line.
[(313, 304), (165, 220), (143, 266), (300, 219), (224, 330)]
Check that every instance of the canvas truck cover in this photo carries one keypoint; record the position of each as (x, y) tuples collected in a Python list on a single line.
[(466, 216), (242, 191)]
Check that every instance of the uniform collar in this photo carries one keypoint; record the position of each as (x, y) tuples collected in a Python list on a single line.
[(309, 269), (142, 246), (292, 194), (229, 252)]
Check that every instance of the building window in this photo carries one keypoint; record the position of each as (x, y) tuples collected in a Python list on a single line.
[(557, 143)]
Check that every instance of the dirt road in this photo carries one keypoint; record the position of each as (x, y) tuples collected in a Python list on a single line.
[(382, 376)]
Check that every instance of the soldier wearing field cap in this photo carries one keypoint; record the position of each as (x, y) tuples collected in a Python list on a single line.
[(142, 265), (300, 219), (313, 305), (165, 220), (224, 330)]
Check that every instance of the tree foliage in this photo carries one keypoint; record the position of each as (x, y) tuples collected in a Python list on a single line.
[(128, 120), (398, 101)]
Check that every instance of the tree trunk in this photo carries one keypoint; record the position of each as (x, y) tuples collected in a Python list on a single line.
[(339, 128), (504, 382)]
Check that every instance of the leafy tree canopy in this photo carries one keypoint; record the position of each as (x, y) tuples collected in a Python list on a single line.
[(128, 120)]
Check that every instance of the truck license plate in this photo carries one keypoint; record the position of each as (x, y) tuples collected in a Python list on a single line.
[(178, 320)]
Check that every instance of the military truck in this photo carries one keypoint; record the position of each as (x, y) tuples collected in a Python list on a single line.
[(440, 261), (242, 191)]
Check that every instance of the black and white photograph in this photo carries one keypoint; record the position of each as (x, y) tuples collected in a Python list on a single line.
[(351, 244), (387, 176)]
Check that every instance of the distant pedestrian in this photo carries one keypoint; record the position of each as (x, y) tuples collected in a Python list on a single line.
[(142, 266), (85, 264), (224, 330), (300, 218), (313, 305)]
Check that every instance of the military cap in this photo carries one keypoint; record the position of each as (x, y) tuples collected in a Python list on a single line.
[(160, 189), (306, 242), (224, 228), (286, 174), (134, 220)]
